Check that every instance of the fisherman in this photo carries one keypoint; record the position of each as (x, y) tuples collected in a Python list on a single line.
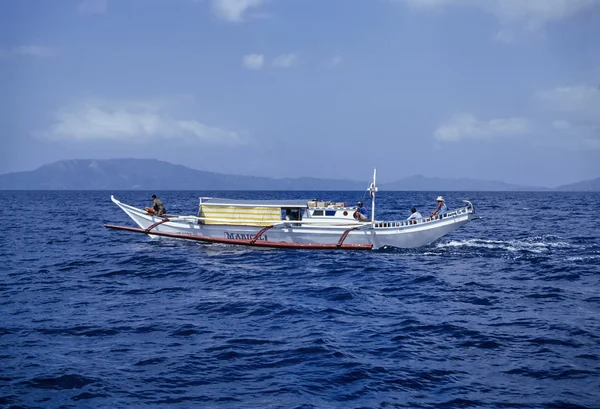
[(415, 215), (361, 213), (441, 209), (157, 207)]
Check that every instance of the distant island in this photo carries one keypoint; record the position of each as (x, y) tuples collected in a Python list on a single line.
[(152, 174)]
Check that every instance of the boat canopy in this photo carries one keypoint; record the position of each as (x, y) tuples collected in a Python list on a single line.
[(255, 203), (240, 215)]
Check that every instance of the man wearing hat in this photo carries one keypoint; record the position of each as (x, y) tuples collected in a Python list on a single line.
[(441, 209)]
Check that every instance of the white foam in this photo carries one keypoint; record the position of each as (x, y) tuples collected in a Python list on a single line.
[(530, 244), (583, 258)]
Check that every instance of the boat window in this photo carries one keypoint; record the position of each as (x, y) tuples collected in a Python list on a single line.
[(291, 214), (318, 213), (329, 212)]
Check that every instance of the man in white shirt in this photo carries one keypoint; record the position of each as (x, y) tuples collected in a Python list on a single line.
[(414, 215)]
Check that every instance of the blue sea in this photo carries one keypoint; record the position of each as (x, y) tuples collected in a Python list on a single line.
[(502, 313)]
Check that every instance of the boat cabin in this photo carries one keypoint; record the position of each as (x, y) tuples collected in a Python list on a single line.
[(270, 212)]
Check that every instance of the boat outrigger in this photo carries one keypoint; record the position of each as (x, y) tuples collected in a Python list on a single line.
[(299, 224)]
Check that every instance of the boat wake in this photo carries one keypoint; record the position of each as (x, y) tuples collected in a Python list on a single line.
[(538, 244), (535, 246)]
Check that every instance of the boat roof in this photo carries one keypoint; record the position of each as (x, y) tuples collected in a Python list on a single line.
[(256, 203)]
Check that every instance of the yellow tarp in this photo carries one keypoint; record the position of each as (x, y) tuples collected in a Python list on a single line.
[(256, 216)]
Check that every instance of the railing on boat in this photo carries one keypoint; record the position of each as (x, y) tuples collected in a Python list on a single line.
[(453, 213)]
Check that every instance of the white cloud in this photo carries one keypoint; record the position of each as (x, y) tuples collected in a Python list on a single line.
[(567, 116), (253, 61), (36, 51), (536, 13), (529, 14), (576, 135), (561, 124), (578, 110), (504, 36), (335, 61), (130, 121), (579, 102), (93, 7), (432, 4), (234, 10), (285, 60), (465, 126)]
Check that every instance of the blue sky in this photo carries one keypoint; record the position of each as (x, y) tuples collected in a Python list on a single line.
[(493, 89)]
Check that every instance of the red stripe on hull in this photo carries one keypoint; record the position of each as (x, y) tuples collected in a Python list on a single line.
[(274, 244)]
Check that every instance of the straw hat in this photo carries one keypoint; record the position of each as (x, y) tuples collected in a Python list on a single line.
[(440, 198)]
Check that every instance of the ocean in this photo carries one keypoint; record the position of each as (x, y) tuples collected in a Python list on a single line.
[(502, 313)]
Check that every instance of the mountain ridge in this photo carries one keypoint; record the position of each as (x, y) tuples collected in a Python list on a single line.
[(153, 174), (590, 185)]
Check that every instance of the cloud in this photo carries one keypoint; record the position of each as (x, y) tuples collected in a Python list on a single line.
[(568, 117), (561, 124), (504, 36), (531, 15), (579, 102), (93, 7), (334, 61), (35, 51), (130, 121), (575, 111), (253, 61), (285, 60), (465, 126), (576, 135), (234, 11)]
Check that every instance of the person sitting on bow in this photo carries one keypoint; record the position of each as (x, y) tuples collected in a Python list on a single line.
[(441, 208), (157, 207), (361, 213)]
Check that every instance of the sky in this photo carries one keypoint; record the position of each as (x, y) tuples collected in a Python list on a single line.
[(491, 89)]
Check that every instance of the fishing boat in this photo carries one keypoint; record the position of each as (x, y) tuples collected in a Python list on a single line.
[(299, 224)]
